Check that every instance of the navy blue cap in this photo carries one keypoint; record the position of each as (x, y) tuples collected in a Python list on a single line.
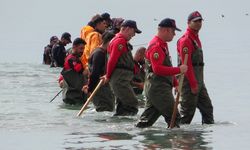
[(67, 36), (168, 22), (131, 24), (195, 16)]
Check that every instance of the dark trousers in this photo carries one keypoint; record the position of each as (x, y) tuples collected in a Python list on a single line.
[(126, 101), (159, 102), (191, 101), (104, 99)]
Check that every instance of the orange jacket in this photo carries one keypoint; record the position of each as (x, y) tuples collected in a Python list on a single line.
[(85, 30), (93, 40)]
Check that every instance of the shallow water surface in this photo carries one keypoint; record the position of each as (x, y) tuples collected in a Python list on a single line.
[(29, 121)]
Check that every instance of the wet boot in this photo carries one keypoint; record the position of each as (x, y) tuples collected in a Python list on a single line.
[(207, 121), (124, 110), (143, 124), (103, 106), (148, 117)]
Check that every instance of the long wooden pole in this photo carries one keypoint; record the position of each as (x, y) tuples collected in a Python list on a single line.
[(55, 96), (172, 123), (90, 97)]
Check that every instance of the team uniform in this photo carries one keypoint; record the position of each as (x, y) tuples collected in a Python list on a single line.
[(190, 43), (159, 83), (120, 71), (73, 80)]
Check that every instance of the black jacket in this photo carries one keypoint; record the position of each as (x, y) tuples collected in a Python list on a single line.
[(97, 63), (58, 54)]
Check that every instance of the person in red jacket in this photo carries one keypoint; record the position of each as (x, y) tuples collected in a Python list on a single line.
[(160, 77), (72, 79), (194, 92), (120, 69)]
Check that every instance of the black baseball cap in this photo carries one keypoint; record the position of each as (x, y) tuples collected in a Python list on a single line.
[(67, 36), (168, 22), (53, 38), (79, 41), (106, 16), (97, 19), (131, 24), (195, 16)]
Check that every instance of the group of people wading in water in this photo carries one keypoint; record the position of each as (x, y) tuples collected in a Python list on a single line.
[(103, 53)]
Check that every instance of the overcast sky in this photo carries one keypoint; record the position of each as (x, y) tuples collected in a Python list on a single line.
[(27, 25)]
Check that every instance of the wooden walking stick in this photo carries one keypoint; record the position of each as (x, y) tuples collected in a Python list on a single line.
[(172, 123), (90, 97)]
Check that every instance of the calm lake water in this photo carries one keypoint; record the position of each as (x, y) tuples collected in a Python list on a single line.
[(28, 121)]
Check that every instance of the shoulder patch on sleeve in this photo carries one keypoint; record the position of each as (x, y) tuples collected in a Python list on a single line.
[(120, 47), (185, 50), (156, 55)]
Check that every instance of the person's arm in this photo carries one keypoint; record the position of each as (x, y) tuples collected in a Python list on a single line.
[(93, 40), (157, 57), (116, 51), (187, 47), (96, 41), (60, 81), (84, 61)]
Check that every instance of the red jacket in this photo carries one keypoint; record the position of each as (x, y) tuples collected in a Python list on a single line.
[(116, 48), (72, 62), (157, 63), (186, 41)]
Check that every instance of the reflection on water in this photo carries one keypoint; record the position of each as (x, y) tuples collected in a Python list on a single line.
[(175, 139), (104, 140), (150, 138), (115, 136)]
